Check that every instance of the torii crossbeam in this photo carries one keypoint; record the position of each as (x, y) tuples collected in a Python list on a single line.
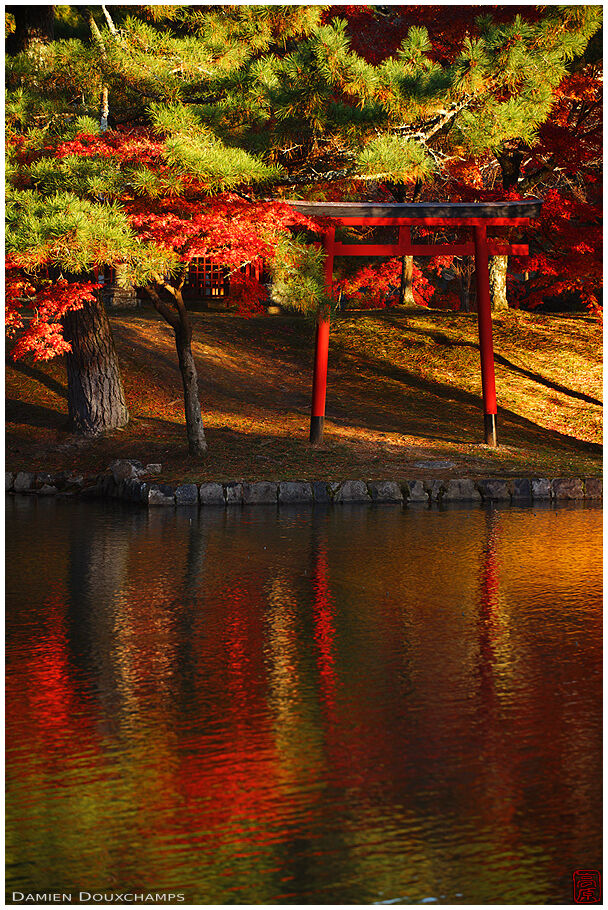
[(477, 215)]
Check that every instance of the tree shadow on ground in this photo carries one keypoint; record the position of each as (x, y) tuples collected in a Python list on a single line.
[(258, 378), (33, 415), (443, 339), (466, 426), (52, 384)]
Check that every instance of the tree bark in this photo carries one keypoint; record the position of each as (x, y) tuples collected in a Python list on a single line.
[(510, 160), (498, 283), (197, 444), (406, 291), (96, 397), (33, 25), (176, 314), (464, 280)]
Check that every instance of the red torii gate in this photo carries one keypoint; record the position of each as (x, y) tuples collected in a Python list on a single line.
[(476, 215)]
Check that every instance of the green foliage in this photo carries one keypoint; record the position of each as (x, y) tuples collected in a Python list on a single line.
[(218, 166), (86, 177), (72, 233), (394, 158), (168, 119), (298, 281)]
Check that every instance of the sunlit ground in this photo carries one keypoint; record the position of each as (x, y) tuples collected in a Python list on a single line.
[(403, 387)]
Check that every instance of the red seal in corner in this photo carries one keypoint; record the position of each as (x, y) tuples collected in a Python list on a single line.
[(587, 884)]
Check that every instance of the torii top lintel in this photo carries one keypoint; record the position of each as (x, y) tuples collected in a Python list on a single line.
[(426, 214), (445, 213)]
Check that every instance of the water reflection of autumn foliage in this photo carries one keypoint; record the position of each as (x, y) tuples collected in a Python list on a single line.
[(333, 704)]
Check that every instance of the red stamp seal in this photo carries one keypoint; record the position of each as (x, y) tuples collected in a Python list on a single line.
[(587, 885)]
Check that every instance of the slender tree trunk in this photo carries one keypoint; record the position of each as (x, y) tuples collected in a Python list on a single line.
[(176, 314), (96, 397), (406, 291), (465, 285), (510, 160), (104, 110), (498, 283), (197, 444)]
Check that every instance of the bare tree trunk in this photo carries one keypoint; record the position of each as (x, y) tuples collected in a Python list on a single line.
[(96, 397), (465, 285), (406, 290), (510, 159), (176, 314), (498, 283), (104, 110), (195, 431)]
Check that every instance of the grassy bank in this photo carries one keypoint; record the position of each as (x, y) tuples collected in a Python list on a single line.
[(403, 388)]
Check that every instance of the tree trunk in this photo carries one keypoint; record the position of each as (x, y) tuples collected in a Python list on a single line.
[(192, 406), (33, 25), (96, 398), (510, 161), (406, 291), (498, 283), (464, 279)]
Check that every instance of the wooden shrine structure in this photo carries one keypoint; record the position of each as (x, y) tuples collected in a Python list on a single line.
[(477, 217)]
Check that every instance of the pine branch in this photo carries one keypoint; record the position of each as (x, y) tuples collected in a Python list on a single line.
[(427, 132), (111, 25), (95, 33)]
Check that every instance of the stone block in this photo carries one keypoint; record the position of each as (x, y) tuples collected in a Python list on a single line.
[(522, 489), (568, 488), (461, 490), (47, 490), (352, 491), (415, 491), (24, 481), (495, 490), (130, 490), (385, 491), (160, 495), (211, 494), (43, 478), (186, 494), (234, 494), (260, 493), (152, 469), (9, 480), (541, 488), (593, 488), (125, 469), (60, 479), (295, 491), (434, 489), (320, 491), (107, 485)]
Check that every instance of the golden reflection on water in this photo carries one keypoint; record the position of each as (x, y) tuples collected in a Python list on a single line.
[(353, 705)]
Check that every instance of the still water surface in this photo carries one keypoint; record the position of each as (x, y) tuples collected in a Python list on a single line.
[(348, 706)]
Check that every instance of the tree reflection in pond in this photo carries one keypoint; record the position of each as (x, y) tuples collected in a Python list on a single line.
[(355, 705)]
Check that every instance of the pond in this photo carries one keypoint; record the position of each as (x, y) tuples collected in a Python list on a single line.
[(357, 705)]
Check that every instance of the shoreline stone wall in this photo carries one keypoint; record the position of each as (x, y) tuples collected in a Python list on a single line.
[(124, 481)]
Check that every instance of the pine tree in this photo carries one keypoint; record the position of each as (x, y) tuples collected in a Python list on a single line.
[(499, 136)]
